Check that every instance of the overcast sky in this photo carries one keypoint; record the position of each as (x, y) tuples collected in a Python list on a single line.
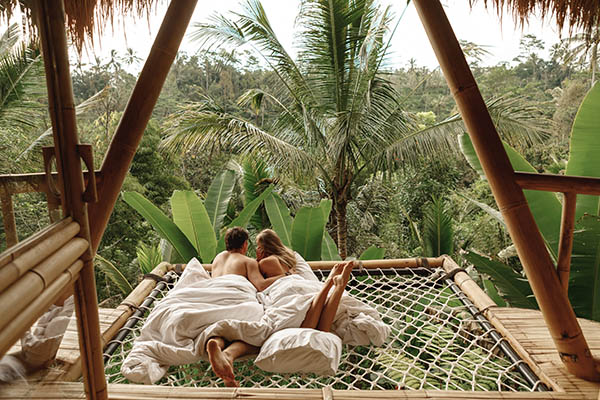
[(479, 25)]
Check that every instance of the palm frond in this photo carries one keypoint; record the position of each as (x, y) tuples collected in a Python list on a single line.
[(205, 126), (83, 107)]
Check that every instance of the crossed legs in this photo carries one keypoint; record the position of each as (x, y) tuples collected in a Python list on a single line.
[(322, 311)]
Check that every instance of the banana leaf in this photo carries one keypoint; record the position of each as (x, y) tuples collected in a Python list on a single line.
[(584, 148), (280, 218), (307, 232), (513, 287), (545, 206), (255, 172), (217, 198), (491, 291), (192, 218), (584, 280), (162, 224), (372, 253), (244, 217), (113, 273), (329, 250)]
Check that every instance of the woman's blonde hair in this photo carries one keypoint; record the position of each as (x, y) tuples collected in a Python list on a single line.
[(273, 246)]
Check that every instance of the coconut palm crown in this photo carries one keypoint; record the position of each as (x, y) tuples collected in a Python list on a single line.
[(340, 118)]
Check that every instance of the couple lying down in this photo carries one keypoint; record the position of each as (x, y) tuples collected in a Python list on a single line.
[(234, 312)]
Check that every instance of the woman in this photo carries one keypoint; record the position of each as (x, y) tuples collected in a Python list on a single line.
[(274, 259)]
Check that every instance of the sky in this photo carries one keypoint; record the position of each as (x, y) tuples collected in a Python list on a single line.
[(480, 26)]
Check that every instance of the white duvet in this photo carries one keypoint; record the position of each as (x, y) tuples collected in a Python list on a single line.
[(199, 308)]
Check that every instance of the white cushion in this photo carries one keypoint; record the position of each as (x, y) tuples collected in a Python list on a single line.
[(303, 269), (300, 350)]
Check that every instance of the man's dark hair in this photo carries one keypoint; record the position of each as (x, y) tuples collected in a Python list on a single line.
[(235, 238)]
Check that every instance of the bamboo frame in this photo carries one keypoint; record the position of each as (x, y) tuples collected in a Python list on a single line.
[(565, 245), (432, 262), (558, 314), (51, 25), (18, 325), (14, 252), (558, 183), (29, 259), (138, 112), (25, 290)]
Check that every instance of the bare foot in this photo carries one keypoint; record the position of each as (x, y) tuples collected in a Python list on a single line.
[(335, 271), (343, 278), (220, 364)]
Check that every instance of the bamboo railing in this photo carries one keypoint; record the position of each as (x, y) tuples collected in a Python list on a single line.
[(507, 188)]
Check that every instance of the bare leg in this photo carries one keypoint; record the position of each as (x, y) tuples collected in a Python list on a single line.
[(330, 309), (316, 308), (221, 358)]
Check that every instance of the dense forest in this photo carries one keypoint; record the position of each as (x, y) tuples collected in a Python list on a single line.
[(412, 193)]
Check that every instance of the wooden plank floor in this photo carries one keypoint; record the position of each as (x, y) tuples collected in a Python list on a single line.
[(529, 329), (526, 326)]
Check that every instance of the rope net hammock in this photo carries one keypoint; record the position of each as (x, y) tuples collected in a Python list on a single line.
[(439, 340)]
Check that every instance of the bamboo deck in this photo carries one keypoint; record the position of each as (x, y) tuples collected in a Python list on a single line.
[(526, 327)]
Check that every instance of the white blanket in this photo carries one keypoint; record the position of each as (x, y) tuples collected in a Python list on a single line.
[(199, 308)]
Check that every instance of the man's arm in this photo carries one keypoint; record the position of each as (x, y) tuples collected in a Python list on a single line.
[(256, 278)]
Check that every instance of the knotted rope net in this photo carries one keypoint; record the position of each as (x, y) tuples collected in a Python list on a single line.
[(438, 341)]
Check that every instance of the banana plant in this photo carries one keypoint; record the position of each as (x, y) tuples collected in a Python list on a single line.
[(584, 282), (195, 230), (306, 232)]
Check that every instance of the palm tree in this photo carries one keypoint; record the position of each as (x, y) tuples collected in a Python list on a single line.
[(340, 118), (584, 48)]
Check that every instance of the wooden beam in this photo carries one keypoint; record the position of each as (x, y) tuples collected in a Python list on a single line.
[(558, 183), (51, 26), (138, 112), (539, 267), (565, 245), (8, 219)]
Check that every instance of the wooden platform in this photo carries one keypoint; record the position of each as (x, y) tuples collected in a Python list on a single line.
[(525, 328)]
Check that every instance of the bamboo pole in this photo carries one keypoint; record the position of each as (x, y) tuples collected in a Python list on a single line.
[(468, 286), (373, 264), (15, 269), (51, 26), (558, 314), (18, 325), (565, 245), (8, 219), (558, 183), (137, 113), (20, 294), (14, 252)]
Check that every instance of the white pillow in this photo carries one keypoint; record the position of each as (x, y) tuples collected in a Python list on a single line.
[(303, 269), (300, 350)]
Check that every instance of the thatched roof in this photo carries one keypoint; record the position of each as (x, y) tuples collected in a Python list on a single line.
[(575, 14), (86, 17)]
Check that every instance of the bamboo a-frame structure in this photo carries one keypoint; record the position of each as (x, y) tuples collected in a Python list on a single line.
[(43, 267)]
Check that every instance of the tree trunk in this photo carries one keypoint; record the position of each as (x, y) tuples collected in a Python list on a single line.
[(342, 232)]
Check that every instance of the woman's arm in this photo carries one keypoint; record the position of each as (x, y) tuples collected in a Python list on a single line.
[(256, 278)]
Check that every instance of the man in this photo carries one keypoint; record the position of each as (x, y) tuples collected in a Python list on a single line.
[(234, 261)]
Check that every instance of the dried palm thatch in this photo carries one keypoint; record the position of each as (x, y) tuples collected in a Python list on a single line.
[(576, 14), (84, 17)]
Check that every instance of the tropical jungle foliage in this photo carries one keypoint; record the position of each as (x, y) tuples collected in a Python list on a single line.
[(407, 190)]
